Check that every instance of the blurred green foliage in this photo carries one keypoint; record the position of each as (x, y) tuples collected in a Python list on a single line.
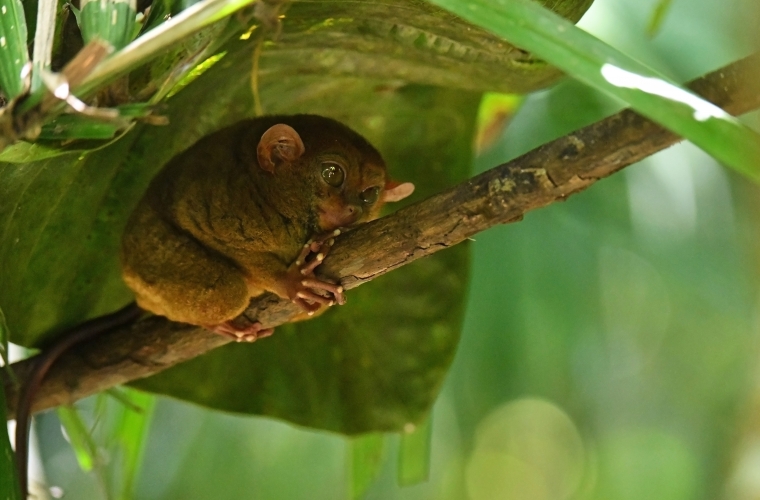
[(609, 343)]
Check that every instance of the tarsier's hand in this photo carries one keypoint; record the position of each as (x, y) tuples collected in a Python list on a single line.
[(304, 288)]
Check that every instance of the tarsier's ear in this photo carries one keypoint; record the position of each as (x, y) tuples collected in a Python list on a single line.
[(279, 143), (395, 191)]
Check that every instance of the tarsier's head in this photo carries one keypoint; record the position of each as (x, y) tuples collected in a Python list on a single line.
[(347, 175)]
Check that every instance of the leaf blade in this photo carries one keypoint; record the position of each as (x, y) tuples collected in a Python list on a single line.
[(84, 446), (367, 456), (13, 53), (599, 65), (414, 454), (9, 488)]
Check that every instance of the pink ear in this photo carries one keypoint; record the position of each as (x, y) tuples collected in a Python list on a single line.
[(395, 191), (279, 142)]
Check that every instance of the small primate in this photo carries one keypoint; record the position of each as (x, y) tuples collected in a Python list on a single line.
[(252, 208)]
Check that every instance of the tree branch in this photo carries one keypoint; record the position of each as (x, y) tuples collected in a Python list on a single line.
[(503, 194)]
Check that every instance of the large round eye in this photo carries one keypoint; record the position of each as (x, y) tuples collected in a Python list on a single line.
[(333, 174), (370, 195)]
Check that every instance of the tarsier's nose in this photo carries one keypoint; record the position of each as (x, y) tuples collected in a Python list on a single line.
[(352, 214)]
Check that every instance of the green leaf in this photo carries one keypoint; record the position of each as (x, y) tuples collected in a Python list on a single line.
[(414, 454), (163, 37), (658, 16), (584, 57), (4, 335), (9, 489), (131, 433), (367, 455), (71, 126), (79, 437), (25, 152), (13, 52), (44, 35), (109, 20)]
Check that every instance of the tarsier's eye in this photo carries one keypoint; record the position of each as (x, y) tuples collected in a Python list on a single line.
[(370, 195), (333, 174)]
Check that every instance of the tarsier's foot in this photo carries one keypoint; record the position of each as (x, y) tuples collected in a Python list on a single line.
[(248, 333), (305, 289)]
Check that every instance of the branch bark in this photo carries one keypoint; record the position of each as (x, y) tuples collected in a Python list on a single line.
[(503, 194)]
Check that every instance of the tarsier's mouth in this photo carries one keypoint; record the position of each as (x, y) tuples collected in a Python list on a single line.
[(329, 220)]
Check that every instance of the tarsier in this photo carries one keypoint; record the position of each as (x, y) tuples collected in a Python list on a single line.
[(251, 209)]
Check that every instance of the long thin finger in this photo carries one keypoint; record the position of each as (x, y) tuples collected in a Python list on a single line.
[(322, 285), (309, 248), (313, 297), (309, 308), (310, 266)]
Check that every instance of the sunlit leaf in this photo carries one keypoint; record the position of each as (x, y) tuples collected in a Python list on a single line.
[(163, 37), (493, 118), (44, 39), (131, 433), (367, 455), (584, 57), (414, 453), (13, 52), (78, 436), (110, 20), (70, 126)]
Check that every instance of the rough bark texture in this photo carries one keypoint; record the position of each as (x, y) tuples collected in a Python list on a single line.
[(503, 194)]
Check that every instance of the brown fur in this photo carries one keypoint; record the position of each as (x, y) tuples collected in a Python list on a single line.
[(215, 229)]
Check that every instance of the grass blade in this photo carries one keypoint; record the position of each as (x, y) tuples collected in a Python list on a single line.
[(44, 35), (71, 126), (9, 489), (132, 434), (586, 58), (414, 454), (367, 456), (4, 335), (109, 20), (13, 52), (79, 437)]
